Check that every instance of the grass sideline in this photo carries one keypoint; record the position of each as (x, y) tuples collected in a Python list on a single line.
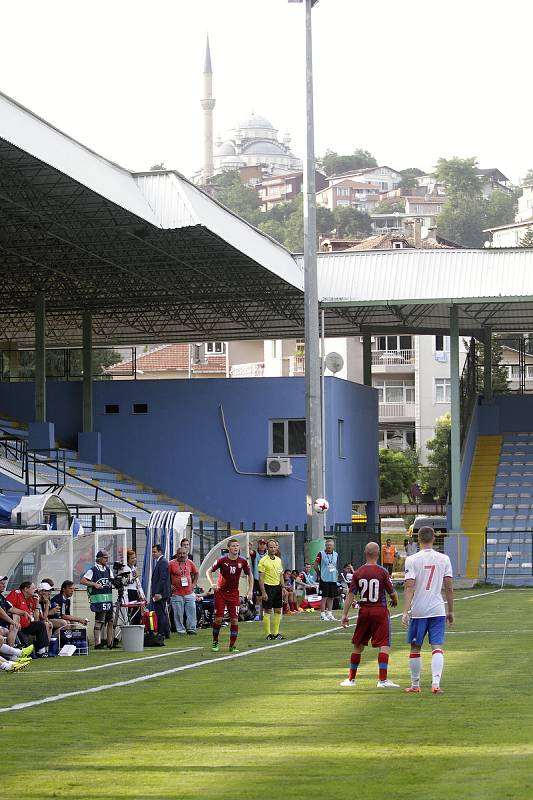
[(276, 724)]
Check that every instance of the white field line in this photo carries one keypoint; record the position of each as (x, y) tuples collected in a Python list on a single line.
[(135, 660), (500, 633), (196, 664)]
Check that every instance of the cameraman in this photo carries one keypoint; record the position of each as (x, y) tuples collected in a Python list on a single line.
[(98, 580), (134, 589)]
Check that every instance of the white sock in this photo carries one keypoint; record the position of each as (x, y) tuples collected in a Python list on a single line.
[(415, 665), (6, 665), (437, 665), (6, 650), (41, 651)]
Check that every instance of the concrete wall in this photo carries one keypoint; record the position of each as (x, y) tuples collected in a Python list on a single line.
[(506, 413), (179, 446)]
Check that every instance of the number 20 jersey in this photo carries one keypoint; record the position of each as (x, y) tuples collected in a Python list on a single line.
[(372, 583), (428, 568)]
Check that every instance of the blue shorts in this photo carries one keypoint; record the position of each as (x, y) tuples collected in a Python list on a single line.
[(435, 627)]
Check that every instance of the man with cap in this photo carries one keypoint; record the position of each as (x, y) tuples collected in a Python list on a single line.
[(255, 558), (97, 579)]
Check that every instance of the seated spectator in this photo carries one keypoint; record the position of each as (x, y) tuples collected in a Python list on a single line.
[(24, 601), (9, 626), (62, 602), (290, 606), (205, 606), (308, 578), (345, 577), (51, 616)]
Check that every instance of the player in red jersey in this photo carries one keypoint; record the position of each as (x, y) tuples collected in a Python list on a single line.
[(372, 583), (227, 591)]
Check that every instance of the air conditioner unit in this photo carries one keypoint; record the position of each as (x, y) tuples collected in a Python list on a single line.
[(277, 465)]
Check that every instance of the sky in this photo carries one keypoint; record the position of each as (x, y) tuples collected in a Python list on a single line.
[(410, 81)]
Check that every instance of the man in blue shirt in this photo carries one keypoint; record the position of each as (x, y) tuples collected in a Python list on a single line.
[(326, 569)]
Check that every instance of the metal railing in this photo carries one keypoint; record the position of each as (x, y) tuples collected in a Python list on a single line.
[(397, 410), (64, 364), (392, 358), (251, 370)]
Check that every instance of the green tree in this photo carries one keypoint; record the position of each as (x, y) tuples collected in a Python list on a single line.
[(398, 471), (274, 229), (435, 477), (241, 199), (527, 239), (462, 220), (459, 176), (409, 177), (348, 221), (334, 164), (500, 208), (500, 380), (389, 207), (528, 178)]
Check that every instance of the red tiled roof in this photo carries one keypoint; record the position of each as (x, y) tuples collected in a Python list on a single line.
[(171, 357)]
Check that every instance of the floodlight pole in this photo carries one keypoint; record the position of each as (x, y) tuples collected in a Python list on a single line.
[(40, 358), (313, 410)]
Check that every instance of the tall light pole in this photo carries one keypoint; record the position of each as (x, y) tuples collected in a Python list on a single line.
[(313, 407)]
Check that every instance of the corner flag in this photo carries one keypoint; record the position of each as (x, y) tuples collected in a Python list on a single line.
[(508, 554)]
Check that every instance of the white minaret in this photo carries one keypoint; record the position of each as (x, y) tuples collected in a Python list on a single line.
[(208, 104)]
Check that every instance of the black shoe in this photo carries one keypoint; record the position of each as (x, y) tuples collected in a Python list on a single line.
[(278, 637), (269, 637), (191, 633), (99, 646)]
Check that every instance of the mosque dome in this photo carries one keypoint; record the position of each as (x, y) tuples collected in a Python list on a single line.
[(225, 149), (264, 148)]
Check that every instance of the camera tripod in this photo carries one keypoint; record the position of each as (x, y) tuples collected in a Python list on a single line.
[(121, 613)]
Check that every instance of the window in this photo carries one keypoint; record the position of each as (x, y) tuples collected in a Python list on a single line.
[(111, 408), (397, 245), (140, 408), (214, 348), (442, 344), (394, 343), (395, 391), (340, 437), (442, 390), (287, 437)]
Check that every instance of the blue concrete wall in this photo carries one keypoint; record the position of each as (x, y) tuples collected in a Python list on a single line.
[(180, 448), (506, 414)]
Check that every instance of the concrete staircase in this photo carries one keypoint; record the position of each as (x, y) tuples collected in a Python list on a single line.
[(478, 498)]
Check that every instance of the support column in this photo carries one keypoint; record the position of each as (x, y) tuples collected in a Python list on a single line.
[(455, 439), (367, 359), (40, 359), (487, 363), (87, 366), (89, 441)]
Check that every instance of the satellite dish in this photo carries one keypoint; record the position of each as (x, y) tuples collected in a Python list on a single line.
[(334, 362)]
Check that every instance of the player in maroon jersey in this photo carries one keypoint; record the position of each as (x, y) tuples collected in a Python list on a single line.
[(372, 583), (227, 591)]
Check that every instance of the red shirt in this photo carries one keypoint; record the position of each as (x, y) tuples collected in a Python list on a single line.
[(18, 600), (181, 575), (230, 572), (372, 582)]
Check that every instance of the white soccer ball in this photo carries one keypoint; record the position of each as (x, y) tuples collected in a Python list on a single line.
[(321, 505)]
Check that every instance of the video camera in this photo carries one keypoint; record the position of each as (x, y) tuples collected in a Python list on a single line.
[(122, 576)]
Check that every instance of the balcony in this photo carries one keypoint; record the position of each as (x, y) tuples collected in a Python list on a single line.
[(393, 361), (397, 411), (252, 370)]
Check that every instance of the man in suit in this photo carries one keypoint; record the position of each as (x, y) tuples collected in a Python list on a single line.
[(161, 590)]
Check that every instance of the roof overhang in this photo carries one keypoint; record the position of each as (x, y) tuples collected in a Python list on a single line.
[(151, 255)]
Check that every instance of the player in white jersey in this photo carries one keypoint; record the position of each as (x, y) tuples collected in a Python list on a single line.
[(427, 573)]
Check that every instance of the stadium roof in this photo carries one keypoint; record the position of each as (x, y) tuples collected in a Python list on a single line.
[(150, 254), (157, 260), (412, 290)]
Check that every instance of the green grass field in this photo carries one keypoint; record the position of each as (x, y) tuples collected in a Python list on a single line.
[(275, 724)]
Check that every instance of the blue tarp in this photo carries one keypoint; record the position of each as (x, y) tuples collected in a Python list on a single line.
[(7, 504)]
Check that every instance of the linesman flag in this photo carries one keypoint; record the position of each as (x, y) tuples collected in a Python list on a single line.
[(508, 554)]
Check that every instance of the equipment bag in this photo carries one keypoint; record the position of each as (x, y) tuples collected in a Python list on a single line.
[(150, 621)]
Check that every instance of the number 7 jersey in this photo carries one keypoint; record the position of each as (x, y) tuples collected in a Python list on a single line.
[(428, 568), (372, 583)]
